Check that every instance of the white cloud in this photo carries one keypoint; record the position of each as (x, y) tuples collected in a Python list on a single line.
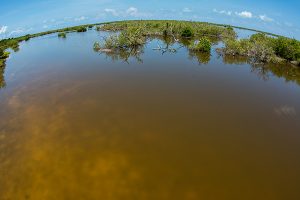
[(186, 10), (19, 31), (244, 14), (132, 11), (80, 18), (111, 11), (265, 18), (3, 29), (224, 12)]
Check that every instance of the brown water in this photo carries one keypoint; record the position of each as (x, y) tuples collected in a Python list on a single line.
[(77, 125)]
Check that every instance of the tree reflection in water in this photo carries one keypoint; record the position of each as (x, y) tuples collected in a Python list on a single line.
[(125, 54), (201, 57), (2, 80), (264, 71), (170, 45)]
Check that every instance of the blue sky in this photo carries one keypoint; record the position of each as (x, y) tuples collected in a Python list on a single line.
[(20, 17)]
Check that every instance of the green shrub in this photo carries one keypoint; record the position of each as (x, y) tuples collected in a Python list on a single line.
[(187, 32), (229, 33), (261, 52), (1, 65), (26, 37), (258, 37), (132, 37), (111, 42), (2, 80), (257, 48), (97, 46), (4, 55), (62, 35), (2, 62), (287, 48), (81, 29), (203, 45)]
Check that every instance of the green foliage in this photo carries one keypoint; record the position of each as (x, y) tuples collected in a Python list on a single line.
[(97, 46), (203, 45), (81, 29), (132, 37), (2, 80), (6, 44), (172, 28), (27, 37), (187, 32), (4, 55), (62, 35), (263, 48), (229, 33), (256, 48), (2, 62), (287, 48), (112, 42)]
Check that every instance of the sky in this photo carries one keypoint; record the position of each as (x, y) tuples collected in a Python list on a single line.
[(21, 17)]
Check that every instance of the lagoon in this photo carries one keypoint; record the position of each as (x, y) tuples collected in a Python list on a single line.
[(79, 124)]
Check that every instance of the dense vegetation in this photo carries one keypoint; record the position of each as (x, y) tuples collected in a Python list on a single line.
[(262, 48), (203, 45), (176, 29)]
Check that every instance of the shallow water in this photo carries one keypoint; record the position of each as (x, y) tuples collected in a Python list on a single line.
[(76, 124)]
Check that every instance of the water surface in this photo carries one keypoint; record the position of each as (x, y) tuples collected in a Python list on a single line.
[(77, 124)]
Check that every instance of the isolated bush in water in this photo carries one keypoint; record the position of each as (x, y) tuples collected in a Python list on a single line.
[(203, 45)]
